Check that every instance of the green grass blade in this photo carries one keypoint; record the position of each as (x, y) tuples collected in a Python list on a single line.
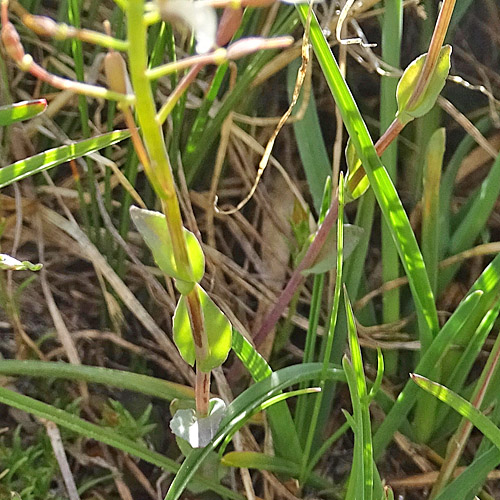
[(261, 461), (471, 350), (475, 474), (462, 406), (104, 435), (327, 344), (355, 488), (392, 28), (243, 405), (362, 405), (384, 190), (285, 437), (430, 204), (21, 111), (113, 378), (309, 137), (408, 396), (53, 157)]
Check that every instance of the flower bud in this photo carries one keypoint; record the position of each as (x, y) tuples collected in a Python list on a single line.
[(228, 25), (41, 25), (12, 42), (247, 46), (115, 70)]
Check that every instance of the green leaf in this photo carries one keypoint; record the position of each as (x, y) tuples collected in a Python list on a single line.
[(244, 405), (142, 384), (462, 406), (154, 230), (53, 157), (357, 181), (9, 263), (327, 258), (217, 328), (408, 81), (21, 111), (312, 150), (285, 438)]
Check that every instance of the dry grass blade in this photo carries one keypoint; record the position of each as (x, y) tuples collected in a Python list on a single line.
[(128, 298), (62, 460)]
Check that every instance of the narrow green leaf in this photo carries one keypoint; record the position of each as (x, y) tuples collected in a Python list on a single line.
[(244, 405), (217, 328), (285, 438), (386, 194), (428, 98), (312, 150), (430, 204), (355, 489), (53, 157), (154, 230), (362, 405), (427, 363), (21, 111), (462, 406), (104, 435), (142, 384)]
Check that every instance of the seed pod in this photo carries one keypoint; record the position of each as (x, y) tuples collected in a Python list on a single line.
[(115, 70), (228, 24), (41, 25), (12, 42)]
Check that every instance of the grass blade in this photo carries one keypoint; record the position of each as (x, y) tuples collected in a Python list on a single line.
[(462, 406), (310, 142), (114, 378), (285, 438), (21, 111), (53, 157), (436, 351)]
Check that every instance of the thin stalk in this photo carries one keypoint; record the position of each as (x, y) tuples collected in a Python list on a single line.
[(160, 172), (330, 333), (391, 52)]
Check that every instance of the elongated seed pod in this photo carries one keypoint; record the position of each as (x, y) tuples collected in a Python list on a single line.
[(116, 73)]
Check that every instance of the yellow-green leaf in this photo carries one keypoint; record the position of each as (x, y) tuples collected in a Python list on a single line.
[(408, 81), (217, 328), (154, 230), (357, 182)]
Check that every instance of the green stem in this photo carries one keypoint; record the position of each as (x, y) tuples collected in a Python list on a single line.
[(391, 52), (159, 171)]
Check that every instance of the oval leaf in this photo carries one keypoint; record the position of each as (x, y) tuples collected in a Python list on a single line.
[(357, 182), (53, 157), (408, 81), (217, 328), (153, 228), (21, 111)]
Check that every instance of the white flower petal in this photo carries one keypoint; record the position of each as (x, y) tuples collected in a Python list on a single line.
[(202, 19)]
